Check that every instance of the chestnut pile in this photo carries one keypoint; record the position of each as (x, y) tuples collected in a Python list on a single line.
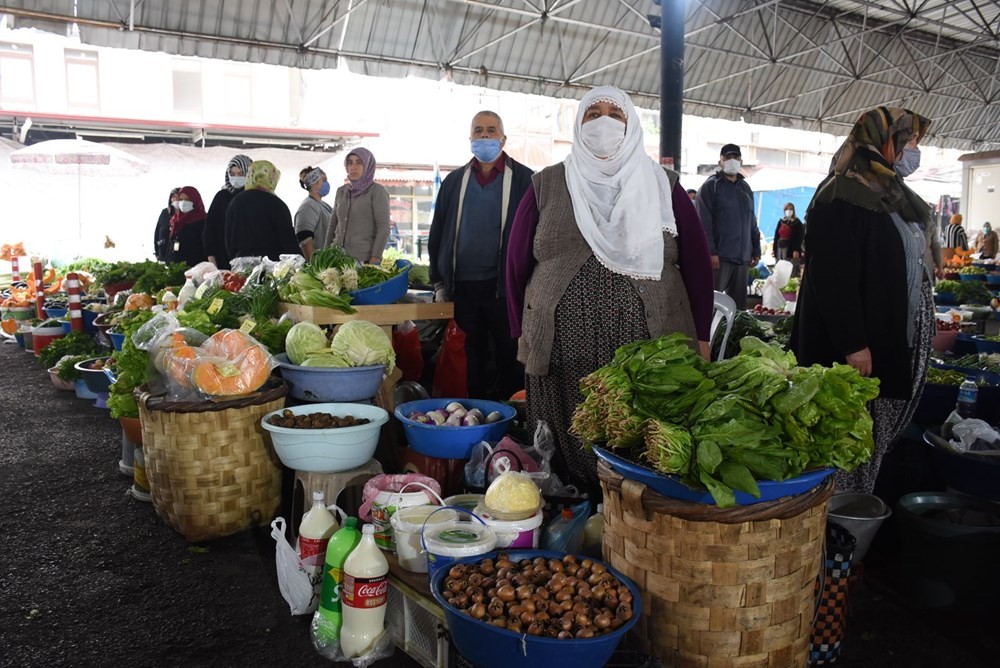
[(555, 598)]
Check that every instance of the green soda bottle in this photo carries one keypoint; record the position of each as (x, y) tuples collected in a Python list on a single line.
[(329, 618)]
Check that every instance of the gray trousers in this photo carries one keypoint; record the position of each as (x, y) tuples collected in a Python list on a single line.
[(731, 278)]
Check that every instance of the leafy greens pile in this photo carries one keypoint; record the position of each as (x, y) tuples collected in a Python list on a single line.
[(725, 425)]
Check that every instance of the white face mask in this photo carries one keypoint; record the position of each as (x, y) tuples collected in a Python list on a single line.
[(603, 136), (238, 181), (185, 205), (732, 167), (789, 213)]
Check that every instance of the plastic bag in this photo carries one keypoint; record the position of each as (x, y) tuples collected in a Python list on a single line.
[(566, 535), (200, 271), (513, 492), (775, 283), (409, 357), (244, 265), (293, 578), (395, 482), (381, 648), (972, 432), (228, 363), (451, 376)]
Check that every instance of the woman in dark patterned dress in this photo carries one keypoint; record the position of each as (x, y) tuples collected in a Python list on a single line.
[(606, 248)]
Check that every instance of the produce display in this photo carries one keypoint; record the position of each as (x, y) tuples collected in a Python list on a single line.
[(952, 326), (228, 363), (314, 420), (937, 376), (74, 344), (972, 271), (722, 426), (966, 292), (979, 361), (331, 275), (455, 415), (555, 598), (760, 309), (133, 367), (356, 343), (148, 276)]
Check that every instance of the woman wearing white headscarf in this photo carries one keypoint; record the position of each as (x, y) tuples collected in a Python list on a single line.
[(606, 248)]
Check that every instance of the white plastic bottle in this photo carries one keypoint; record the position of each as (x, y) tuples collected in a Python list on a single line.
[(365, 595), (186, 293), (169, 301), (317, 525)]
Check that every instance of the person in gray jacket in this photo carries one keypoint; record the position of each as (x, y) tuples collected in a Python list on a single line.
[(360, 219), (725, 204)]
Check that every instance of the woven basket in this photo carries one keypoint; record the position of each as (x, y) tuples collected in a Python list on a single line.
[(721, 588), (212, 469)]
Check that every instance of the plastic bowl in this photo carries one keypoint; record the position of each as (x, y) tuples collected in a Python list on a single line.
[(944, 341), (945, 299), (59, 383), (986, 346), (388, 292), (316, 383), (18, 313), (488, 646), (96, 380), (19, 337), (972, 277), (117, 339), (452, 442), (993, 279), (327, 450), (55, 312)]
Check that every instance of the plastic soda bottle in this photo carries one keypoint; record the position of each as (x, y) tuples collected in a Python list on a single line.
[(366, 593), (968, 393), (593, 533), (186, 293), (317, 525), (562, 535), (329, 618)]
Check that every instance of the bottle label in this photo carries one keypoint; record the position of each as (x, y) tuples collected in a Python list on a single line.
[(310, 547), (365, 593), (331, 596)]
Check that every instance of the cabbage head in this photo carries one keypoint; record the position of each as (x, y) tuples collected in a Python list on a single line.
[(363, 343), (303, 338), (326, 358)]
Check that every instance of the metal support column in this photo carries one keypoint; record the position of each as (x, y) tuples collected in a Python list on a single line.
[(671, 81)]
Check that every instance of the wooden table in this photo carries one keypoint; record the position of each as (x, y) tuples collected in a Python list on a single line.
[(384, 316)]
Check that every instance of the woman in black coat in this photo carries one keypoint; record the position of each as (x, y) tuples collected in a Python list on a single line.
[(161, 234), (186, 227), (788, 237), (865, 298)]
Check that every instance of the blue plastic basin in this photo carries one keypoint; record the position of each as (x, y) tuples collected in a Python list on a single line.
[(96, 380), (117, 339), (972, 277), (82, 392), (330, 384), (671, 486), (985, 346), (452, 442), (945, 299), (55, 312), (388, 292), (488, 646)]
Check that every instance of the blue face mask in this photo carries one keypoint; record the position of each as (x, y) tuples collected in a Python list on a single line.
[(324, 189), (908, 162), (486, 150)]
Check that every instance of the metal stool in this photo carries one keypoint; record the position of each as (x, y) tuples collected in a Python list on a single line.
[(331, 484)]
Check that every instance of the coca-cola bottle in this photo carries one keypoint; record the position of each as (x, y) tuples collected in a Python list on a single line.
[(365, 595), (329, 615)]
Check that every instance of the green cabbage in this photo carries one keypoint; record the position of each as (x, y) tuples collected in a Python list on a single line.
[(302, 339), (363, 343), (326, 358)]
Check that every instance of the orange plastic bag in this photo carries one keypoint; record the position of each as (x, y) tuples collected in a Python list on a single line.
[(451, 376)]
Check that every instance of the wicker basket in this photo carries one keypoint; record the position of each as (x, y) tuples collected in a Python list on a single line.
[(211, 467), (721, 587)]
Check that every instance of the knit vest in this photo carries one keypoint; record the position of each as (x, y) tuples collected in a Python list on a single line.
[(560, 251)]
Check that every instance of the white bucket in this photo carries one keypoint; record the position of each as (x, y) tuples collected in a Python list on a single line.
[(407, 524), (448, 541), (388, 503), (514, 533), (467, 501)]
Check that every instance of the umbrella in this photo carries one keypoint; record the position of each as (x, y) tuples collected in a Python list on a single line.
[(80, 158)]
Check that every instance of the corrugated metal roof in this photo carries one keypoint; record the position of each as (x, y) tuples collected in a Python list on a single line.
[(796, 63)]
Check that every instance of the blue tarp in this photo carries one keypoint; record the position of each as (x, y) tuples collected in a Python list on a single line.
[(769, 205)]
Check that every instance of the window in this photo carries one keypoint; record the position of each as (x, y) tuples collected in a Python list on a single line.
[(770, 156), (187, 89), (410, 211), (17, 74), (82, 80), (239, 95)]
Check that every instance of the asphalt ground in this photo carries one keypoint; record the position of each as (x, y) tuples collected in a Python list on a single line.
[(92, 577)]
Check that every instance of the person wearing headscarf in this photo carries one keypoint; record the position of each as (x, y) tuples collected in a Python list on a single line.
[(865, 298), (258, 223), (989, 246), (186, 227), (360, 221), (606, 249), (788, 238), (161, 234), (214, 236), (312, 220)]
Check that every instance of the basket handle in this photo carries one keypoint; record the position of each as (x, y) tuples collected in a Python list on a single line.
[(399, 494), (423, 528)]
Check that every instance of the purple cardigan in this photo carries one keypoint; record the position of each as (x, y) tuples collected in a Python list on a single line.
[(694, 260)]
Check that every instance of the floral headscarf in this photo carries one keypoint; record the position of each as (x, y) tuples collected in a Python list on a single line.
[(241, 161), (263, 175), (368, 177), (862, 170), (179, 220)]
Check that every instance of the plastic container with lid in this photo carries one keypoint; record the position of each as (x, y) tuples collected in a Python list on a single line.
[(514, 533), (407, 524), (467, 501), (448, 541)]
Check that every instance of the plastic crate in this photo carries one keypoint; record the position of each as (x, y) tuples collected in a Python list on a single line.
[(417, 627)]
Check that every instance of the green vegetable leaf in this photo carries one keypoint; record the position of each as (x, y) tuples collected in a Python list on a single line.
[(738, 476), (724, 497), (709, 456)]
